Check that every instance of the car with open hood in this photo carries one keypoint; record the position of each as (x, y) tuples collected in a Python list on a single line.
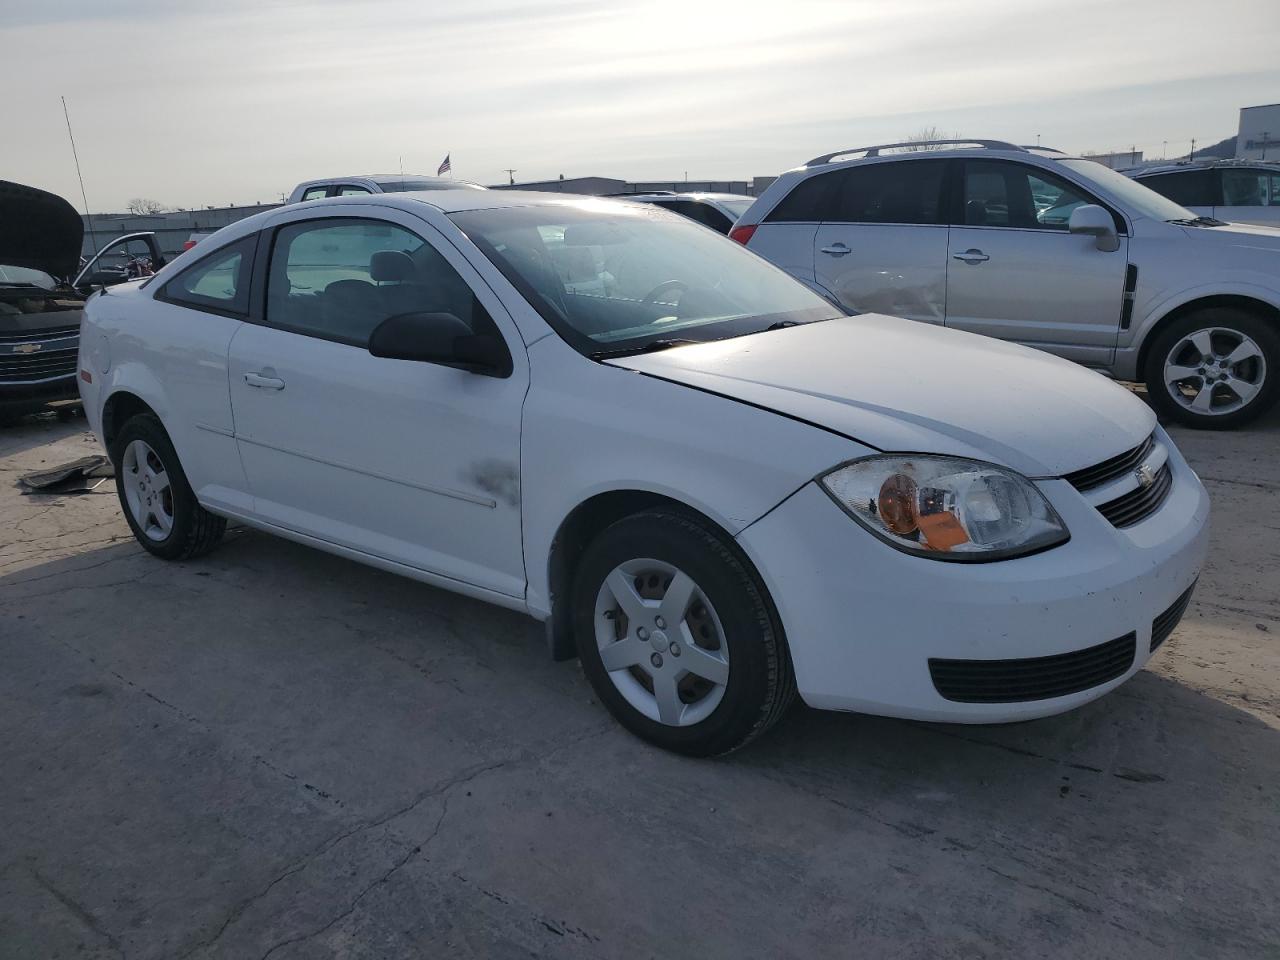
[(43, 285), (715, 488)]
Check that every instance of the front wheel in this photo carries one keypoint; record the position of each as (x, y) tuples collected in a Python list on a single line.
[(157, 500), (677, 637), (1216, 369)]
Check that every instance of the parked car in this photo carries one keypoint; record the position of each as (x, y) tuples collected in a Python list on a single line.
[(375, 183), (1054, 252), (1238, 191), (712, 484), (718, 211), (42, 290)]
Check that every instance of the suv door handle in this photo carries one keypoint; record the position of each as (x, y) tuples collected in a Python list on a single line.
[(836, 249), (972, 255), (266, 383)]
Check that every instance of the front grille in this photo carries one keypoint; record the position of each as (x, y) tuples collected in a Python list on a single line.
[(33, 367), (1164, 623), (1109, 470), (1138, 504), (61, 333), (1034, 678)]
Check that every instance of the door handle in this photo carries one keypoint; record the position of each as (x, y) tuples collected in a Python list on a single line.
[(266, 383), (971, 256), (836, 249)]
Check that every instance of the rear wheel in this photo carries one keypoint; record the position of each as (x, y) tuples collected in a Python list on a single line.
[(1216, 368), (158, 503), (677, 637)]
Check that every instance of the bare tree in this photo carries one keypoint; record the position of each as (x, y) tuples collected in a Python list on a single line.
[(142, 207), (920, 139)]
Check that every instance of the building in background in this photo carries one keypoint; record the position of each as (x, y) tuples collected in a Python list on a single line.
[(1259, 136), (1122, 160), (608, 186), (171, 228)]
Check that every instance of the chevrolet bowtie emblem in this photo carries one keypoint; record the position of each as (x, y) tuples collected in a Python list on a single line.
[(28, 348), (1145, 475)]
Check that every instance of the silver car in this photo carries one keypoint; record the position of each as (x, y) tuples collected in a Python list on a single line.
[(1054, 252)]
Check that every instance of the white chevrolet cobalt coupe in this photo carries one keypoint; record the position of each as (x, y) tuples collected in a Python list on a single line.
[(714, 487)]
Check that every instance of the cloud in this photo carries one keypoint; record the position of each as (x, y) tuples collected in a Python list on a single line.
[(196, 103)]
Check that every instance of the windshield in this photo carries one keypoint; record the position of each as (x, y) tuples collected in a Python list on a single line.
[(615, 278), (1140, 200), (409, 184), (737, 207), (25, 275)]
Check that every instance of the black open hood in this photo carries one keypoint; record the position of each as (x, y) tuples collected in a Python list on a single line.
[(39, 230)]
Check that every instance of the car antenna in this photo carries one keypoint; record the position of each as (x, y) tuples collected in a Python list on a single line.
[(87, 215)]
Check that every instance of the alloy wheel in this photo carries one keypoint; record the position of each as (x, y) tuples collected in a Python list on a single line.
[(147, 490), (661, 642), (1215, 371)]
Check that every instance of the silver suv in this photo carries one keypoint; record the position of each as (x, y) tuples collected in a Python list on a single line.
[(1051, 251), (1242, 191)]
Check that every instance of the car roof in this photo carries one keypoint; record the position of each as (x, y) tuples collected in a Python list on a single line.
[(1042, 156), (689, 195), (1176, 166), (456, 201)]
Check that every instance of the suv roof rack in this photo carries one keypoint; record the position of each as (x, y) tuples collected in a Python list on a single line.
[(874, 151), (1036, 148)]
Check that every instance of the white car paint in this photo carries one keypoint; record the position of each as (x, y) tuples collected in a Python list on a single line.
[(463, 480)]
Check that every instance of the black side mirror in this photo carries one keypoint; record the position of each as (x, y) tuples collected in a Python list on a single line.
[(440, 338)]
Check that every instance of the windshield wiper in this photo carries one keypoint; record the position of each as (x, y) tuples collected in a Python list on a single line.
[(651, 347), (1198, 222)]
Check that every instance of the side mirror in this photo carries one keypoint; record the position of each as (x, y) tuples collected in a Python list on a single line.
[(1093, 221), (440, 338)]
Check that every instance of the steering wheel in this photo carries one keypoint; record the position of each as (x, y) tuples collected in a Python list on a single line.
[(665, 286)]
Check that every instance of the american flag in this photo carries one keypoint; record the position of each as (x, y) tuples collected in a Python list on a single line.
[(445, 167)]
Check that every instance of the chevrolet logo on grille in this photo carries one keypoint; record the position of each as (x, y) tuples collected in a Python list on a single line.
[(28, 348), (1145, 475)]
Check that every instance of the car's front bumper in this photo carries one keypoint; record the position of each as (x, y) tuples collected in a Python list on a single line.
[(22, 396), (863, 620)]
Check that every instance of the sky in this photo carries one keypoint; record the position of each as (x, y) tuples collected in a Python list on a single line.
[(195, 103)]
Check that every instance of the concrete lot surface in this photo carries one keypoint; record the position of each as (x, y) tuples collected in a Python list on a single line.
[(271, 752)]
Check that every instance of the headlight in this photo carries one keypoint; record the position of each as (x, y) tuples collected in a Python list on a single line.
[(947, 508)]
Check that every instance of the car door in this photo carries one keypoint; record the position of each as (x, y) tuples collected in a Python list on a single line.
[(1249, 195), (411, 462), (882, 244), (1015, 272)]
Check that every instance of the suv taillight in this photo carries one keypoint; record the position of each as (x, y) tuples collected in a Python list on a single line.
[(743, 233)]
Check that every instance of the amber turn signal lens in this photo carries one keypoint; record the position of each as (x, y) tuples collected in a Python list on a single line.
[(897, 504)]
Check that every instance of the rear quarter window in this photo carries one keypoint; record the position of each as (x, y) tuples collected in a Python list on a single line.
[(809, 201), (217, 283)]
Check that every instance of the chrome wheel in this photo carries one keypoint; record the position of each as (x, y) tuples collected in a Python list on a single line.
[(661, 642), (147, 490), (1214, 371)]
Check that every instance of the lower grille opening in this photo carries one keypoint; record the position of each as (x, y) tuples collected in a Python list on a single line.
[(1164, 624), (1033, 678)]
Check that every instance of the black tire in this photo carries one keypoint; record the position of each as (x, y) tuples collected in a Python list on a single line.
[(195, 530), (761, 682), (1262, 331)]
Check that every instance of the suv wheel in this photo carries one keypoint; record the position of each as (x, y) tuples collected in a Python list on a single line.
[(158, 503), (677, 637), (1216, 368)]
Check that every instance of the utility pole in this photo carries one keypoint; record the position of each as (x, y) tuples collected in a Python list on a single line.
[(511, 176), (1164, 149), (1192, 154)]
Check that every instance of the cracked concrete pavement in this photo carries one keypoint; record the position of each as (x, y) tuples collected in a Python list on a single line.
[(271, 752)]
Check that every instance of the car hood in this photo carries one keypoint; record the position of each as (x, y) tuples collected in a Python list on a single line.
[(39, 230), (898, 385), (1238, 234)]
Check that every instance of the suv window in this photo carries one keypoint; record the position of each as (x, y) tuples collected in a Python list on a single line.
[(1250, 188), (348, 190), (315, 193), (810, 201), (1191, 188), (218, 282), (902, 191), (339, 278), (1013, 195), (699, 212)]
